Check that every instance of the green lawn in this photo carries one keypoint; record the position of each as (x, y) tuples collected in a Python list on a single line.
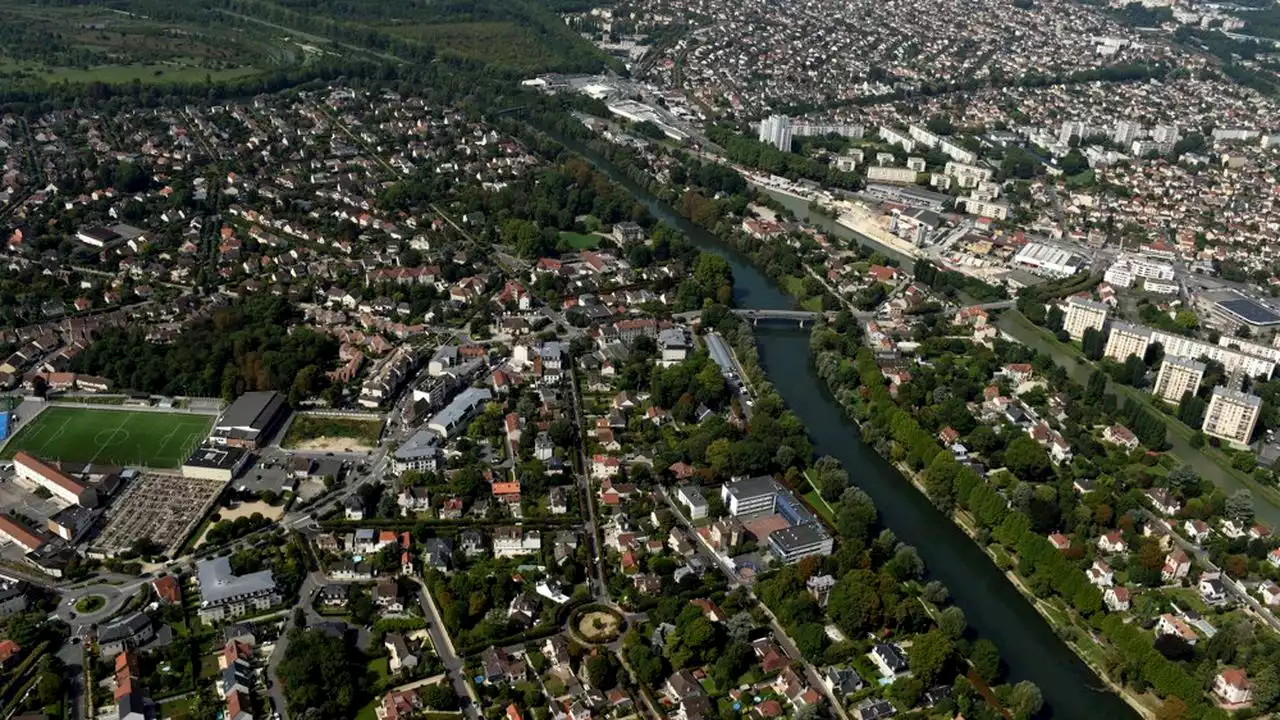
[(815, 499), (119, 437), (579, 241)]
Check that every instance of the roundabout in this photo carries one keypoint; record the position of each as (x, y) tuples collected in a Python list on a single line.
[(90, 604), (596, 624)]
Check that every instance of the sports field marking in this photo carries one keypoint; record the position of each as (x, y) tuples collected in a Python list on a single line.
[(120, 437)]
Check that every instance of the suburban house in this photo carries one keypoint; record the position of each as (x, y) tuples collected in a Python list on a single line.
[(1232, 686)]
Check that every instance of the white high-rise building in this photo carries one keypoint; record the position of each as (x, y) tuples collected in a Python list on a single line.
[(1126, 340), (776, 131), (1232, 415), (1165, 135), (1178, 376), (1126, 132), (1084, 314)]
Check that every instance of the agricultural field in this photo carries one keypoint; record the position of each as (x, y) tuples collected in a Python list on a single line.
[(119, 437)]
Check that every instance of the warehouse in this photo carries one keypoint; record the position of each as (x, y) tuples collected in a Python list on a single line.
[(251, 420)]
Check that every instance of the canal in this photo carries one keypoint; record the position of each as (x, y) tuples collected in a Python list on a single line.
[(993, 607)]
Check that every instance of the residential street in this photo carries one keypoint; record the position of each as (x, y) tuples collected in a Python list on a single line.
[(789, 647)]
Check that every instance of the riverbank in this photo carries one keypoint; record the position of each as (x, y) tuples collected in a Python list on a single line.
[(994, 608), (963, 520), (1207, 462)]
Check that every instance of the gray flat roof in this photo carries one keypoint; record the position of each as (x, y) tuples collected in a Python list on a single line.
[(1237, 396), (465, 402), (252, 410), (1250, 311), (799, 536), (218, 584), (422, 443), (753, 487), (224, 457)]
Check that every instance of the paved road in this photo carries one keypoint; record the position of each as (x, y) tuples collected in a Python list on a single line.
[(584, 484), (443, 644), (1233, 589), (789, 647), (72, 654)]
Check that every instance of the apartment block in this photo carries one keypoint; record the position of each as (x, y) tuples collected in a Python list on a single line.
[(1126, 340), (1232, 415), (1178, 376), (1084, 314)]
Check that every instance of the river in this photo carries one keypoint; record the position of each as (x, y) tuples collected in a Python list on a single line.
[(993, 607)]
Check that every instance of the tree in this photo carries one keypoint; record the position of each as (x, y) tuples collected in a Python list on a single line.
[(1025, 700), (1240, 506), (321, 675), (1027, 460), (39, 386), (855, 605), (952, 623), (929, 656), (600, 672), (1184, 478), (438, 697), (935, 592), (361, 606), (986, 660), (1094, 343)]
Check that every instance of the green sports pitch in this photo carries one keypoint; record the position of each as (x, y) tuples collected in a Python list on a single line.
[(133, 438)]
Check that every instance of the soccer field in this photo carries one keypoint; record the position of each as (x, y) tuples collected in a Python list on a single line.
[(116, 437)]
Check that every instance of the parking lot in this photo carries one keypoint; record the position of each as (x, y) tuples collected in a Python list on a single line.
[(19, 498), (164, 508)]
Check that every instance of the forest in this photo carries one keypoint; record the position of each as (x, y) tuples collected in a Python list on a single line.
[(245, 347)]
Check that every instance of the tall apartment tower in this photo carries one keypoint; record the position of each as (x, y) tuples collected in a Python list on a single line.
[(1126, 340), (1084, 314), (1178, 376), (1232, 415), (776, 131)]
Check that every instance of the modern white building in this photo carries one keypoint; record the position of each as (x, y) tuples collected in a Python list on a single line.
[(1083, 314), (1231, 416), (693, 501), (1233, 361), (753, 496), (776, 131), (895, 137), (795, 543), (957, 152), (1126, 340), (1178, 376), (880, 173), (1128, 268)]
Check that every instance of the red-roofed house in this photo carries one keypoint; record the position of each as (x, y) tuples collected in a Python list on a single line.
[(1232, 686)]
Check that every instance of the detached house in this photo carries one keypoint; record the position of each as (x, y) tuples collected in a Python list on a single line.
[(1113, 542)]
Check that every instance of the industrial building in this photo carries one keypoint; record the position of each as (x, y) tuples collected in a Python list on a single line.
[(1047, 260), (251, 420)]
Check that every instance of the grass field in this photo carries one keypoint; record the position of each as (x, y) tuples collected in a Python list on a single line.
[(119, 437), (579, 241)]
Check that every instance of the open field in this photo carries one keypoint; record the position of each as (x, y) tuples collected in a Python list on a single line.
[(325, 434), (117, 437)]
